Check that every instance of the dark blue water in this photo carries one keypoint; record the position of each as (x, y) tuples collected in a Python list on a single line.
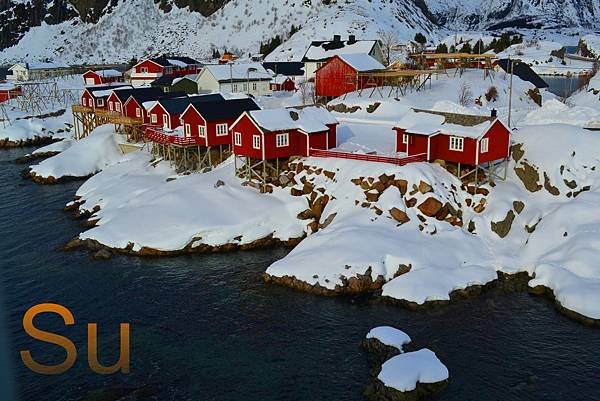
[(206, 327), (563, 86)]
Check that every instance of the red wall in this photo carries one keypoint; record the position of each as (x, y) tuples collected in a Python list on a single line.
[(153, 68), (113, 98), (318, 140), (499, 141), (332, 136), (331, 80), (130, 110), (246, 127), (87, 98), (440, 149), (194, 119), (160, 112), (91, 74)]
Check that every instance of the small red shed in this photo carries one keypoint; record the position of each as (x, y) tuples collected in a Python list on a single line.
[(340, 74), (282, 133), (453, 137), (9, 91), (282, 83), (96, 97), (102, 77)]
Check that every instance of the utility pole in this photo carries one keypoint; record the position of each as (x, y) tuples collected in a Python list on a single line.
[(511, 67)]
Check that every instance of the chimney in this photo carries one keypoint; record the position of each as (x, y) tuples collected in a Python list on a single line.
[(494, 113), (351, 39), (337, 38)]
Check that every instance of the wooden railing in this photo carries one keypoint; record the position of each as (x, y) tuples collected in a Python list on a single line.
[(398, 161), (157, 135)]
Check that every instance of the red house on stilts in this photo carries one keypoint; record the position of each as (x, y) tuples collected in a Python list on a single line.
[(266, 136), (471, 141), (102, 77)]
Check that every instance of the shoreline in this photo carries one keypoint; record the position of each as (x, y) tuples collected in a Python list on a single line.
[(25, 143), (354, 286)]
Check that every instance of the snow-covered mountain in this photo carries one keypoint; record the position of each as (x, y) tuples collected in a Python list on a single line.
[(97, 31), (497, 14)]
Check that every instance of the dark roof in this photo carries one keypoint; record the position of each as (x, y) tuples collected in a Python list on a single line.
[(124, 94), (289, 68), (167, 80), (3, 73), (178, 105), (226, 109), (164, 60), (141, 97), (524, 72), (466, 120), (92, 89)]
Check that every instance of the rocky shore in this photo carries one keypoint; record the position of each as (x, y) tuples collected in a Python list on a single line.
[(21, 143)]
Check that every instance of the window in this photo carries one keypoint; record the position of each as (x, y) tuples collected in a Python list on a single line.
[(256, 141), (84, 102), (457, 143), (144, 70), (405, 139), (235, 87), (138, 112), (485, 143), (110, 106), (188, 130), (118, 107), (237, 139), (254, 86), (221, 129), (100, 102), (153, 119), (165, 121), (282, 140), (245, 87), (202, 131)]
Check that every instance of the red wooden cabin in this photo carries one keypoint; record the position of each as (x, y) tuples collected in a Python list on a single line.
[(282, 133), (166, 113), (116, 100), (340, 74), (282, 83), (96, 97), (210, 120), (134, 106), (102, 77), (458, 138), (8, 92), (149, 70)]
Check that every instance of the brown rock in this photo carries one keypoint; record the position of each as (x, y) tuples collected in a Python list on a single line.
[(482, 191), (502, 228), (365, 185), (468, 201), (307, 188), (412, 202), (402, 185), (398, 215), (443, 212), (356, 181), (549, 187), (378, 186), (518, 206), (377, 210), (372, 195), (329, 174), (424, 187), (296, 192), (430, 207), (327, 221)]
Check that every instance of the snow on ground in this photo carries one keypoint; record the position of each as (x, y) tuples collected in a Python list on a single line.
[(84, 157), (140, 206), (389, 336), (537, 53), (404, 371), (556, 112), (59, 146)]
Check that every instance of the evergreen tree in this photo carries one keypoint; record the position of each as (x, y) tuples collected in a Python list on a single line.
[(420, 38), (466, 48), (441, 48)]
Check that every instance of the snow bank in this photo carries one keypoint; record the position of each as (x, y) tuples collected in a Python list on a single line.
[(556, 112), (404, 371), (26, 129), (389, 336), (59, 146), (84, 157), (140, 205)]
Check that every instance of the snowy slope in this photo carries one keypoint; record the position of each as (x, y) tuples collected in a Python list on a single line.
[(139, 27)]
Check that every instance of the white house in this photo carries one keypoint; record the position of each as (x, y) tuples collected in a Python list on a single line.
[(31, 71), (320, 52), (249, 78)]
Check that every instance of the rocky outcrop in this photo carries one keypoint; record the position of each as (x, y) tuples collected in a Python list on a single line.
[(502, 228), (529, 176), (36, 141), (430, 207)]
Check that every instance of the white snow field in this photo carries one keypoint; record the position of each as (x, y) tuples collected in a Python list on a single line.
[(84, 157), (389, 336), (404, 371)]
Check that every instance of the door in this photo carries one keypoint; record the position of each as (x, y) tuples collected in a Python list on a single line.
[(165, 121)]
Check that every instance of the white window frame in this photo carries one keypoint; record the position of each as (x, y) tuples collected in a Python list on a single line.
[(100, 102), (484, 145), (405, 139), (84, 101), (202, 131), (237, 139), (245, 87), (255, 141), (138, 112), (111, 106), (235, 88), (118, 107), (187, 129), (143, 70), (282, 140), (153, 118), (221, 131), (165, 121), (457, 143), (254, 86)]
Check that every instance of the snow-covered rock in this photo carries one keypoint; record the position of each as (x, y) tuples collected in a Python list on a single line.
[(405, 371), (389, 336)]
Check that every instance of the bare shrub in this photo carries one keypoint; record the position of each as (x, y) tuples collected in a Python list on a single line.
[(492, 94), (465, 95)]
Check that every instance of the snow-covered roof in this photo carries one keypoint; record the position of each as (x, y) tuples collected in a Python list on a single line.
[(279, 79), (108, 73), (309, 119), (226, 72), (361, 62), (319, 51), (177, 63), (107, 92), (429, 122)]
